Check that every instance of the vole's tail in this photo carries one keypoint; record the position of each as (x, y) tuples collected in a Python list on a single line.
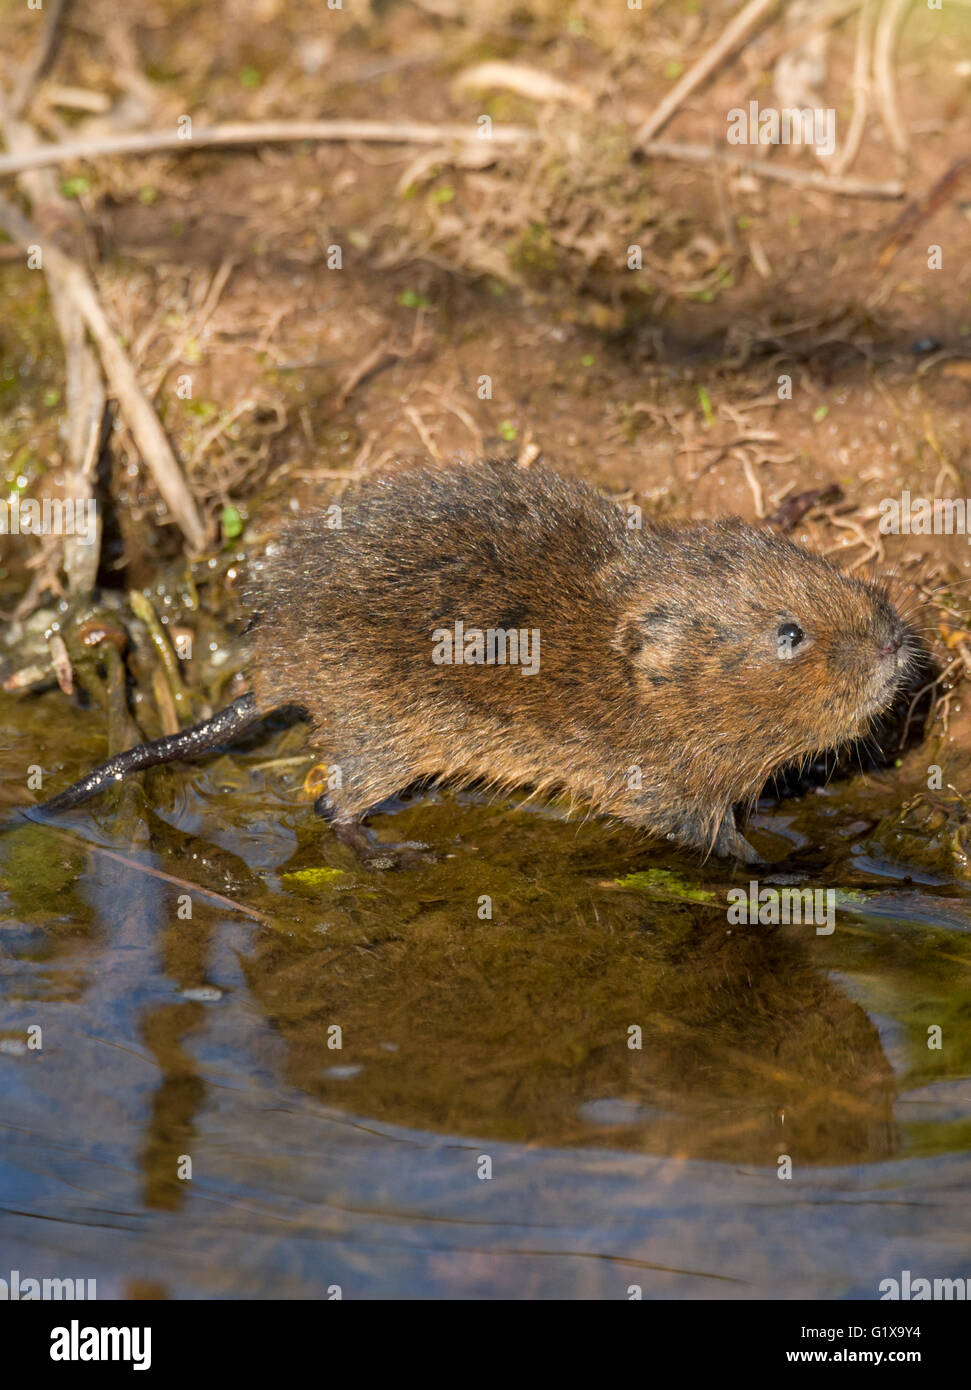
[(185, 745)]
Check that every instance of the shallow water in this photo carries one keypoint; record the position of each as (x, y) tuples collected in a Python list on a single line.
[(484, 1128)]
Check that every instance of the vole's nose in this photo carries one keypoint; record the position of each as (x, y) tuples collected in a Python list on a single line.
[(892, 646)]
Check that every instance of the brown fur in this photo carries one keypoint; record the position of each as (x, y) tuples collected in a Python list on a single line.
[(659, 648)]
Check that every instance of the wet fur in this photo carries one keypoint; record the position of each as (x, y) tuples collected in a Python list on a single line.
[(658, 648)]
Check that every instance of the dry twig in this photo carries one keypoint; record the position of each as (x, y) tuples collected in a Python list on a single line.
[(884, 43), (762, 169), (740, 28), (861, 90), (921, 209), (42, 57), (135, 405), (421, 429), (262, 133), (84, 389), (530, 82)]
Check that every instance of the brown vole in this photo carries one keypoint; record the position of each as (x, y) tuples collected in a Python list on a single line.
[(659, 674)]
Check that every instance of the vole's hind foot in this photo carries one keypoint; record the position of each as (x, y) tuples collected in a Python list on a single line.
[(378, 854)]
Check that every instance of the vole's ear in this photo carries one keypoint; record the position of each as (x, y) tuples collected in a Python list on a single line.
[(649, 638)]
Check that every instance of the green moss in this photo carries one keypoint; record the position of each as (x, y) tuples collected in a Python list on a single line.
[(535, 253), (665, 883), (321, 877)]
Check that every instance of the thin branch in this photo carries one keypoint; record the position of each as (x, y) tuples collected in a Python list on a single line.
[(888, 30), (84, 393), (261, 133), (861, 90), (762, 169), (135, 405), (42, 58), (136, 864), (917, 212), (740, 28), (525, 81)]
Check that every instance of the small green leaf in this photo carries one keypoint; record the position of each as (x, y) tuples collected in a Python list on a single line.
[(411, 299), (706, 409), (508, 431), (74, 187), (820, 413), (232, 523), (250, 78)]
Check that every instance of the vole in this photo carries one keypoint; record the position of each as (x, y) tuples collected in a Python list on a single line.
[(487, 622)]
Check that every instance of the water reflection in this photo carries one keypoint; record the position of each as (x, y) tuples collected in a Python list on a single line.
[(660, 1031), (212, 1038)]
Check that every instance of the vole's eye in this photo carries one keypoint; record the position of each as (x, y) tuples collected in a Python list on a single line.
[(790, 635)]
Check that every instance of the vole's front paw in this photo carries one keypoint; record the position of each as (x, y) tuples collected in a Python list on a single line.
[(731, 844)]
